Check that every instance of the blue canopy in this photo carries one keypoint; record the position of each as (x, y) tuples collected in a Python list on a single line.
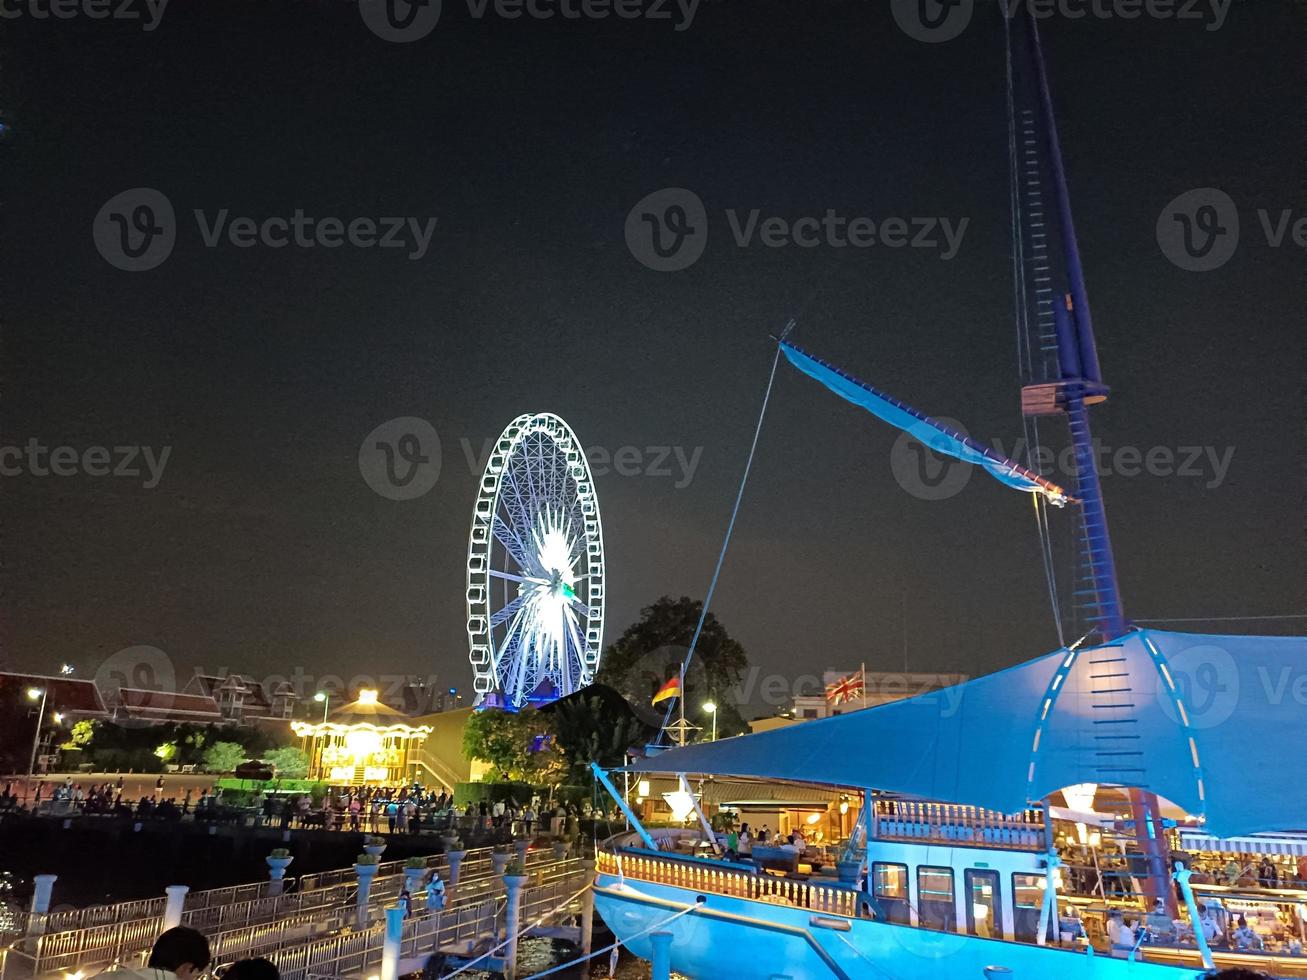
[(1212, 723), (937, 436)]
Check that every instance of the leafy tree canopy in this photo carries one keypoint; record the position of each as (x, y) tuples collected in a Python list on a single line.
[(289, 761), (652, 649), (223, 756)]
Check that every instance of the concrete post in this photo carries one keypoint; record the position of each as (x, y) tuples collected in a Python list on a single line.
[(390, 943), (512, 922), (455, 859), (277, 873), (43, 888), (172, 910), (587, 915), (366, 873), (662, 955)]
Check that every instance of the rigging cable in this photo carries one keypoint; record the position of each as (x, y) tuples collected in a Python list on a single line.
[(721, 557)]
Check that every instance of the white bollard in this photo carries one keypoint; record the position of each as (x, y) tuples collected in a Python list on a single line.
[(172, 910), (43, 888), (455, 859), (512, 922), (366, 873), (390, 944), (662, 955)]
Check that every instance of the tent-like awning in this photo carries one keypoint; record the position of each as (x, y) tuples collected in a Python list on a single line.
[(1215, 724)]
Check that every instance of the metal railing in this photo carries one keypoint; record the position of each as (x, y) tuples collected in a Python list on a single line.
[(704, 876)]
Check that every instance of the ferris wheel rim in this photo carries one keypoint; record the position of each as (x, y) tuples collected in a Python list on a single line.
[(575, 647)]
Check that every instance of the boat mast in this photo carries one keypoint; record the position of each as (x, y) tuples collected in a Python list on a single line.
[(1072, 382), (1079, 383)]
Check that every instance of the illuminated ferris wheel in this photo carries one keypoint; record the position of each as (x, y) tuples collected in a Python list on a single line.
[(535, 567)]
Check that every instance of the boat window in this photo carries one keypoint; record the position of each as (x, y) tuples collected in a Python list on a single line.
[(890, 886), (984, 909), (935, 898), (1027, 899)]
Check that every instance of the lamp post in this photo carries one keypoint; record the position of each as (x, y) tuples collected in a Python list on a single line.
[(32, 694), (323, 698), (711, 708)]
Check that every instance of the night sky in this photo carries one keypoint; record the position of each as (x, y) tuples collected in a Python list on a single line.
[(262, 549)]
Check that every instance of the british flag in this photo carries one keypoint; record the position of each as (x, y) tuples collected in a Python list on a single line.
[(845, 689)]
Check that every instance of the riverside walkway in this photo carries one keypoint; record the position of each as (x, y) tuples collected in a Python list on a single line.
[(319, 920)]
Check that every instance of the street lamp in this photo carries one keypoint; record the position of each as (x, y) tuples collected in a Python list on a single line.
[(33, 693), (711, 708), (323, 698)]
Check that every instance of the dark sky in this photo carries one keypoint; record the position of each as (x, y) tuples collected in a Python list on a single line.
[(262, 549)]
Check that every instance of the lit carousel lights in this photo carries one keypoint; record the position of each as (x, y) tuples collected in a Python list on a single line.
[(364, 741)]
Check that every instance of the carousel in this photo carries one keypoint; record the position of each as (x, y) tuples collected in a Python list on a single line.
[(362, 743)]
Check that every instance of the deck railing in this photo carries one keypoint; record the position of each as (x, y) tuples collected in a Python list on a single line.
[(948, 823), (705, 876)]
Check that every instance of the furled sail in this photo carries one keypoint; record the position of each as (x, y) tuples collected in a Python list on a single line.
[(935, 435)]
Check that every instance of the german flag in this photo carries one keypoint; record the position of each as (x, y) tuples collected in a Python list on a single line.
[(672, 689)]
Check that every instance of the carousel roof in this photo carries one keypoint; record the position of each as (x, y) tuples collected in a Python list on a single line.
[(364, 712)]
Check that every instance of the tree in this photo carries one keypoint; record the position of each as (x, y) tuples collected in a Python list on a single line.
[(79, 737), (506, 740), (587, 730), (223, 756), (652, 649), (289, 762)]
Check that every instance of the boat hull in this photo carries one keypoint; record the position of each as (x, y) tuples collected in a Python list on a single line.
[(751, 940)]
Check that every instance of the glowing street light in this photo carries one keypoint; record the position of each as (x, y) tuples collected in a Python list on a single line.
[(66, 669), (324, 699), (33, 693), (711, 708)]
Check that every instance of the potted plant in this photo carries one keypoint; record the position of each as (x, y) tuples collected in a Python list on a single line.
[(373, 845), (561, 847), (415, 869), (499, 857), (278, 861), (520, 846), (515, 875)]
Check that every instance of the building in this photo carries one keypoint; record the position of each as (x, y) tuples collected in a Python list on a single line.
[(860, 689), (242, 700), (362, 743), (132, 704)]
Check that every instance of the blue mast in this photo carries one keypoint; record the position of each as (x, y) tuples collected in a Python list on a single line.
[(1078, 382)]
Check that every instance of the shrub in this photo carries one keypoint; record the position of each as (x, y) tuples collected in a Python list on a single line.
[(515, 868), (416, 862), (367, 859), (279, 852)]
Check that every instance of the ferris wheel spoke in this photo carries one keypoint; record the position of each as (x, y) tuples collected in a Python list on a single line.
[(508, 612), (509, 539)]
